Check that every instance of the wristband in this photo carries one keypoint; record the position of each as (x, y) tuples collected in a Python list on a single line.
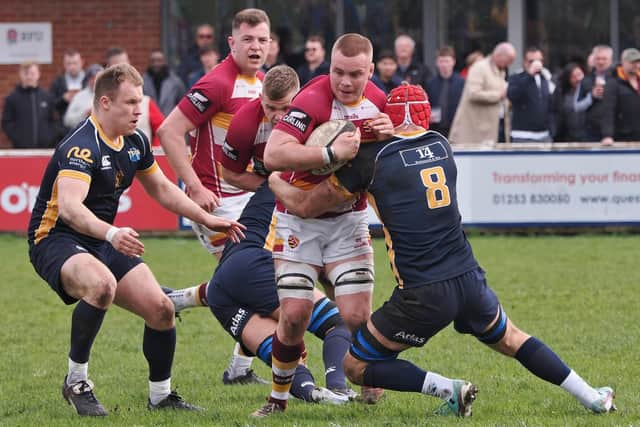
[(332, 154), (110, 233)]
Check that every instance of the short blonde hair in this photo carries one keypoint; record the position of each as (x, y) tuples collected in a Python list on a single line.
[(251, 17), (279, 82), (108, 81), (353, 44)]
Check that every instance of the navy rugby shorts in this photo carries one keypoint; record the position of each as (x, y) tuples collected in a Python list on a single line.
[(53, 251), (243, 285), (413, 315)]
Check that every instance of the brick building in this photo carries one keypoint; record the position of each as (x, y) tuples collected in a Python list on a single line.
[(87, 25)]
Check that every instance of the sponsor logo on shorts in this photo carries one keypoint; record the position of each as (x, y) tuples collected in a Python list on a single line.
[(237, 320), (298, 119), (293, 241), (408, 338), (199, 100), (229, 151)]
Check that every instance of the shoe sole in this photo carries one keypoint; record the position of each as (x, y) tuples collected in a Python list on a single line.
[(468, 394)]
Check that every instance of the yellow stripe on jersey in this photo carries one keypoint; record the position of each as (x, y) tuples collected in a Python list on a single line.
[(252, 80), (337, 185), (115, 145), (50, 215), (222, 120), (270, 240), (151, 169), (66, 173), (387, 239), (356, 103)]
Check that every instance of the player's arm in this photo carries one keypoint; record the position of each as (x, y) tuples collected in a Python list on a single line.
[(171, 133), (71, 195), (284, 151), (245, 180), (169, 195), (310, 203)]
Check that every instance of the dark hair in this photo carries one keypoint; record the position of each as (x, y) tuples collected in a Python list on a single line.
[(386, 54), (447, 51), (113, 51), (207, 49), (316, 38), (71, 52), (565, 76), (252, 17)]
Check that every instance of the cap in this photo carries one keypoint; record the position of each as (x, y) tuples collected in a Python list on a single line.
[(92, 70), (631, 55)]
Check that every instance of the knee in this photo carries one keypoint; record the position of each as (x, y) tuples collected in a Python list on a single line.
[(354, 369), (356, 317), (512, 340), (162, 314), (296, 316), (103, 291)]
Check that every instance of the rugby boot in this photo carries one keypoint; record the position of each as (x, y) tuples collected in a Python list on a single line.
[(324, 395), (459, 404), (173, 401), (80, 396), (269, 408), (604, 403), (249, 377)]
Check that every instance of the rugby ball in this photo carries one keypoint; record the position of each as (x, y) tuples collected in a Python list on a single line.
[(323, 136)]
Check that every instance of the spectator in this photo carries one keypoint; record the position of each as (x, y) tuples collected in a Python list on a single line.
[(530, 98), (151, 117), (191, 61), (209, 58), (80, 105), (570, 103), (273, 56), (28, 118), (315, 64), (385, 76), (474, 56), (478, 114), (444, 90), (622, 101), (409, 69), (69, 83), (594, 83), (162, 84)]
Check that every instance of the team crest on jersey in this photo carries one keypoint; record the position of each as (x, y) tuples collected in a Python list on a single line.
[(199, 100), (424, 154), (298, 119), (134, 154), (293, 241)]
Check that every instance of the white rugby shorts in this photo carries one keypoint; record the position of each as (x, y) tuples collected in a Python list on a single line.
[(230, 208)]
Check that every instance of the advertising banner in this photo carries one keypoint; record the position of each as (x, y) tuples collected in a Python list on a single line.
[(25, 41)]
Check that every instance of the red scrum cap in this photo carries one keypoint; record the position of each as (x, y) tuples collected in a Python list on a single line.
[(408, 104)]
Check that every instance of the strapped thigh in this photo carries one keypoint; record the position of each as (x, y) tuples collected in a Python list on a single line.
[(497, 331), (365, 347), (295, 280), (352, 277)]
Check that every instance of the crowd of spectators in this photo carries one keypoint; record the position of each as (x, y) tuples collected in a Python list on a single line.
[(592, 102)]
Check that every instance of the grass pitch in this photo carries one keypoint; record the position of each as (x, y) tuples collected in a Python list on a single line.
[(578, 294)]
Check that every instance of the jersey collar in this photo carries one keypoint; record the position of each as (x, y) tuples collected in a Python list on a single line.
[(114, 145)]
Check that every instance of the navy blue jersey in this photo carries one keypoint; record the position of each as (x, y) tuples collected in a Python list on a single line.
[(412, 186), (256, 216), (107, 166)]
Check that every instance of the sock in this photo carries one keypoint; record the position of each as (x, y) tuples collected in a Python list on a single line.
[(396, 374), (158, 390), (85, 324), (284, 361), (542, 362), (201, 297), (303, 384), (335, 346), (239, 364), (158, 348), (438, 386), (77, 372), (578, 387)]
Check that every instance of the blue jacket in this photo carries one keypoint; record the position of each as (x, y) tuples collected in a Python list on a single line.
[(531, 106)]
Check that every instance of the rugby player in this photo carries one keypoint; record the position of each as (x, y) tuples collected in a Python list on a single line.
[(241, 290), (338, 242), (205, 113), (411, 181), (74, 246)]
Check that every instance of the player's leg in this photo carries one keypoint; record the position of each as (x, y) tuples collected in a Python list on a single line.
[(484, 317), (139, 292), (326, 324), (75, 274)]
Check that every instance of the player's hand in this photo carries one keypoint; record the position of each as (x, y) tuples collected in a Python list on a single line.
[(203, 197), (382, 126), (346, 145), (126, 241), (233, 229)]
